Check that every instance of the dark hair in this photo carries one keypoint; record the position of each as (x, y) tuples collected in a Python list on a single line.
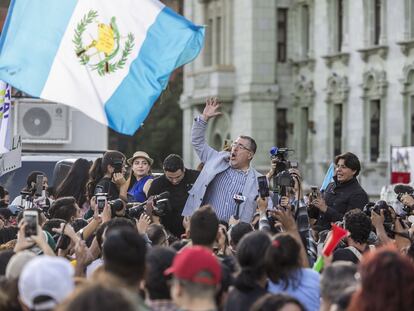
[(99, 169), (98, 297), (52, 224), (271, 302), (358, 224), (63, 208), (124, 253), (75, 181), (252, 142), (204, 226), (5, 256), (173, 163), (387, 282), (239, 231), (32, 178), (251, 251), (283, 260), (350, 160), (158, 260), (156, 233)]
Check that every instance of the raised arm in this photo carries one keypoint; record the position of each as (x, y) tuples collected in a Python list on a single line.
[(198, 140)]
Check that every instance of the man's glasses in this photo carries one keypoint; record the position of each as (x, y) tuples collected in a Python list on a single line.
[(237, 145)]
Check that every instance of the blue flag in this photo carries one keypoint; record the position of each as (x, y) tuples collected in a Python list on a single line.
[(109, 59), (328, 177)]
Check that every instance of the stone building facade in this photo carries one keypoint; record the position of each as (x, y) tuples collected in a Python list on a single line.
[(318, 76)]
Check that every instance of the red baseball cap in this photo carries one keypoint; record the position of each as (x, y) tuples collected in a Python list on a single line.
[(191, 262)]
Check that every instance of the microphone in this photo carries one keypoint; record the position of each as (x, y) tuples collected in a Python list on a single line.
[(239, 199)]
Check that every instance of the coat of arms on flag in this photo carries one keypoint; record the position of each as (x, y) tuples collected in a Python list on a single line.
[(107, 49)]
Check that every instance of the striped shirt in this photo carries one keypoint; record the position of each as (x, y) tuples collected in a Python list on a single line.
[(220, 192)]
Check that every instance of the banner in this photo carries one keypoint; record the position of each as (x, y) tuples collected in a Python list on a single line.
[(5, 117)]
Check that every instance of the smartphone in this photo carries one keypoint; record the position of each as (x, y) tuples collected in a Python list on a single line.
[(39, 185), (314, 192), (101, 201), (117, 165), (31, 218), (263, 186)]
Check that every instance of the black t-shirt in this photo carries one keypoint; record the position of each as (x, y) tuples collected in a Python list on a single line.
[(105, 185), (173, 221)]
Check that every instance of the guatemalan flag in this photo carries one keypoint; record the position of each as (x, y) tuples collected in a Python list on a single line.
[(110, 59)]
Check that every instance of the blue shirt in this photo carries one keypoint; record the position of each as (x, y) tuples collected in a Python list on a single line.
[(221, 190), (136, 193), (307, 291)]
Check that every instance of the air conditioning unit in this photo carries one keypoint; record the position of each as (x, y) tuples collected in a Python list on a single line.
[(40, 122)]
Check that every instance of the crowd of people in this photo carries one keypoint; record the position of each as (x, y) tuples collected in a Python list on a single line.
[(112, 236)]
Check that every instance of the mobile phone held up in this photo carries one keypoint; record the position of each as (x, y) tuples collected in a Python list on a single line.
[(31, 219), (101, 199), (39, 185), (263, 186)]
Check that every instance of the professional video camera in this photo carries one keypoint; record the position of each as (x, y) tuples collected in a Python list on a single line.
[(401, 190), (161, 206), (377, 207), (282, 178)]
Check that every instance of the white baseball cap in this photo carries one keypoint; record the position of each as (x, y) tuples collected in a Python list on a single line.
[(46, 276)]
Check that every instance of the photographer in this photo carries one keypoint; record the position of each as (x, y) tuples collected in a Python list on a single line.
[(359, 226), (177, 180), (106, 175), (343, 194), (30, 189)]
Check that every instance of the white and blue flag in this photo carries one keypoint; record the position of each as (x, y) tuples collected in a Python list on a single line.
[(328, 177), (109, 59)]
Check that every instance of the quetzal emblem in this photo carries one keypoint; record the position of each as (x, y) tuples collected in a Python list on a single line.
[(101, 52)]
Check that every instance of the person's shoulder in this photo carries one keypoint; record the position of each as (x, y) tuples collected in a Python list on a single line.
[(310, 273), (344, 254), (158, 180), (192, 173)]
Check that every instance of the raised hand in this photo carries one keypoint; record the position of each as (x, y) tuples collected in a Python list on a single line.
[(211, 109)]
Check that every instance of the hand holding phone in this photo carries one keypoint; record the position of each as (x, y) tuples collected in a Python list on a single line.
[(101, 200), (31, 219), (263, 187)]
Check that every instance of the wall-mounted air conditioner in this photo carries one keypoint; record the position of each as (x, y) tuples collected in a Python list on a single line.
[(40, 122)]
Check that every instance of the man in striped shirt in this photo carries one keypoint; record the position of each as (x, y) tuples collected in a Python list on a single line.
[(225, 174)]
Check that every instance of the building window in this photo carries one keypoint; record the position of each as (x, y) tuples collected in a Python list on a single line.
[(377, 21), (305, 30), (282, 24), (216, 35), (337, 129), (374, 132), (304, 132), (339, 24), (208, 47), (218, 40), (281, 127)]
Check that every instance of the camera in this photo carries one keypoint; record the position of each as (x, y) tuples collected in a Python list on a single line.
[(161, 206), (116, 205), (401, 190), (117, 165), (377, 207), (282, 177)]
